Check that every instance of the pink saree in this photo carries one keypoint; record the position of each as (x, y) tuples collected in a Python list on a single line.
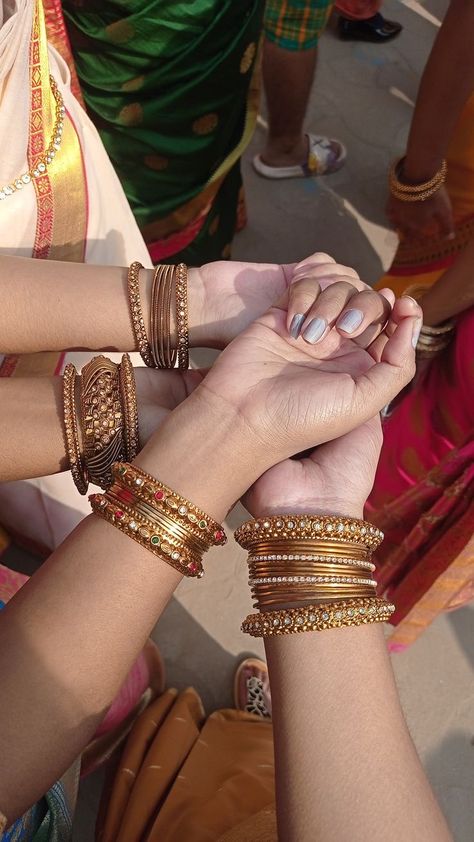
[(423, 496)]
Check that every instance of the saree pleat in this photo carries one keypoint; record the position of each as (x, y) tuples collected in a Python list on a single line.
[(184, 777), (171, 88)]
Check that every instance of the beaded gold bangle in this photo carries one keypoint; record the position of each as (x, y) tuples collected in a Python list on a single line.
[(160, 496), (182, 330), (102, 419), (71, 436), (415, 192), (353, 612), (128, 393), (136, 314), (279, 529)]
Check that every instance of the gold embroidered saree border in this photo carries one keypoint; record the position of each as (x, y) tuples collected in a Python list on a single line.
[(61, 192)]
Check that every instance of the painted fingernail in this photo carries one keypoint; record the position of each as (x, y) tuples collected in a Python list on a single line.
[(350, 321), (296, 325), (416, 332), (315, 330)]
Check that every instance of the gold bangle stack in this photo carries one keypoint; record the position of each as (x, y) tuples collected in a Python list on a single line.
[(71, 436), (299, 559), (108, 420), (432, 340), (415, 192), (157, 352), (161, 301), (158, 518)]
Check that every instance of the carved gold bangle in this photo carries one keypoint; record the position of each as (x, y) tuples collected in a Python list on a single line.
[(102, 419), (71, 436)]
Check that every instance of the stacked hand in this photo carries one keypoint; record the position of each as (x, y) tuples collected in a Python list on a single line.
[(349, 353)]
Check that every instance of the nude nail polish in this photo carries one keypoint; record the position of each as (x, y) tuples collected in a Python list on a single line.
[(416, 332)]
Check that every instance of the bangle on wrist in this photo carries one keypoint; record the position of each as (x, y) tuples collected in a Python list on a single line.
[(157, 351), (158, 518), (319, 565), (414, 192)]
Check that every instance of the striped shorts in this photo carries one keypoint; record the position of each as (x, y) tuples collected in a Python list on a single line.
[(296, 24)]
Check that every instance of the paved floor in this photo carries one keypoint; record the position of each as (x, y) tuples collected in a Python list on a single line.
[(364, 96)]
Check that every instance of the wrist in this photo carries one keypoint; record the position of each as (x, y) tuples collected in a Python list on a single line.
[(204, 452), (414, 171)]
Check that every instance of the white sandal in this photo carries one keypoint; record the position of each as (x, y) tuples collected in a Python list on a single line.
[(325, 155)]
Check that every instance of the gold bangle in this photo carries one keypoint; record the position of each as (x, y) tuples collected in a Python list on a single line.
[(161, 297), (130, 522), (102, 419), (71, 436), (339, 614), (182, 327), (294, 528), (128, 392), (415, 192), (136, 314), (327, 560), (160, 496)]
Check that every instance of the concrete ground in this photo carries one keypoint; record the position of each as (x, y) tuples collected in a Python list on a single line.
[(364, 95)]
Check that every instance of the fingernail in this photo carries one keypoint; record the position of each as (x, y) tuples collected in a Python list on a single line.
[(350, 321), (416, 332), (296, 324), (315, 330)]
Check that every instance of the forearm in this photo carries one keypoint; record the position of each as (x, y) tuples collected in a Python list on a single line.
[(69, 637), (54, 306), (32, 426), (445, 87), (453, 292), (340, 737)]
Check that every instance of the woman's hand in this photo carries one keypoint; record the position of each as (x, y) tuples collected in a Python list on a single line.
[(292, 394), (431, 218), (228, 296), (158, 393), (337, 477)]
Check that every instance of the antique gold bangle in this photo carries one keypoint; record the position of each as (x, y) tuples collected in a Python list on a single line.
[(415, 192), (182, 328), (160, 496), (335, 531), (158, 518), (150, 537), (128, 393), (102, 419), (136, 314), (318, 617), (71, 437)]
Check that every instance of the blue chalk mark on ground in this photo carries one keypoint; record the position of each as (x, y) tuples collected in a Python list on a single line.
[(374, 58)]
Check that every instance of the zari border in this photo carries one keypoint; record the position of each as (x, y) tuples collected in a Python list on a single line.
[(58, 36), (61, 193)]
